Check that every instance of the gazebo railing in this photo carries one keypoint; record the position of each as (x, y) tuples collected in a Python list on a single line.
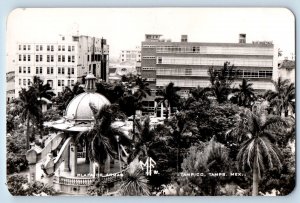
[(86, 181)]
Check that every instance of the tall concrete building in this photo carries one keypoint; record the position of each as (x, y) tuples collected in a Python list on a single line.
[(186, 63), (61, 63)]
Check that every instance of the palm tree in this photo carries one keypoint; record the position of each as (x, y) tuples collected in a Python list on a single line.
[(129, 104), (144, 136), (244, 94), (101, 138), (221, 81), (283, 98), (259, 150), (69, 93), (181, 126), (31, 110), (43, 90), (143, 88), (135, 184), (200, 93), (169, 97)]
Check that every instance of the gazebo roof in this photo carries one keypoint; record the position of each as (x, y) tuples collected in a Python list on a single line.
[(79, 108)]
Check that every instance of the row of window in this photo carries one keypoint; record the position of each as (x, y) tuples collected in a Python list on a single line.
[(148, 68), (148, 57), (48, 47), (25, 82), (50, 70), (214, 61), (203, 72), (50, 58), (216, 50), (60, 83)]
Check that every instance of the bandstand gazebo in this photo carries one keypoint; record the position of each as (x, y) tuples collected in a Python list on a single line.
[(64, 163)]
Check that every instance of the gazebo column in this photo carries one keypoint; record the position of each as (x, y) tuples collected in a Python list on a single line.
[(73, 158), (67, 160), (107, 165), (87, 158), (161, 110)]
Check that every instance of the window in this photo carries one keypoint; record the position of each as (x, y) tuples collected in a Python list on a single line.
[(28, 70), (41, 58), (59, 58), (62, 70), (20, 57), (37, 47), (20, 69), (69, 58), (50, 82), (159, 60), (59, 83), (24, 47), (48, 58), (41, 70), (52, 58), (73, 48), (69, 82), (20, 47), (52, 70), (59, 47), (37, 58), (73, 59), (41, 47), (63, 48), (62, 83), (63, 58), (24, 82), (52, 48), (24, 57), (28, 58), (36, 70), (72, 82), (24, 69), (73, 71), (48, 70), (48, 47), (188, 71), (69, 48), (58, 70), (28, 81), (20, 81), (29, 47)]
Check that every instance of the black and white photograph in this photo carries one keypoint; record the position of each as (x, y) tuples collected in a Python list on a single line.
[(150, 101)]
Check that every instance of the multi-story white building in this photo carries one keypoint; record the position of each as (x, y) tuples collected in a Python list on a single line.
[(61, 63), (131, 55)]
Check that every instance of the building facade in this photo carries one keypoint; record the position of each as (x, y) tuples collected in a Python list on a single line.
[(186, 63), (61, 63), (131, 55)]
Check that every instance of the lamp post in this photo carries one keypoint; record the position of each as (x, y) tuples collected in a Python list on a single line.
[(117, 138)]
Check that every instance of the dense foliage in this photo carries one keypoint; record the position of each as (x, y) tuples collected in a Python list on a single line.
[(216, 130)]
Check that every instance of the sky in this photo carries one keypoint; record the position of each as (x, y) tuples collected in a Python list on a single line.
[(125, 28)]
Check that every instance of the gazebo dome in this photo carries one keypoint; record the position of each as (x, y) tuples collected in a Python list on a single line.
[(79, 109)]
